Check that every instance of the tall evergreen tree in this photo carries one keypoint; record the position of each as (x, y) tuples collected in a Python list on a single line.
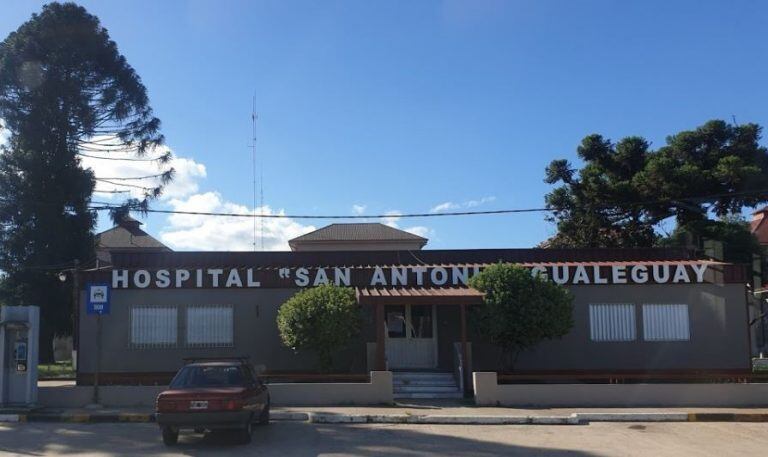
[(64, 90), (625, 189)]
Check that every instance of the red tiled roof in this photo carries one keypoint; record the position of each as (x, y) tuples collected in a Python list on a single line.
[(419, 296), (759, 225)]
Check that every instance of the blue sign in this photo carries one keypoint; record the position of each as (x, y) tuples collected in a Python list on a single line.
[(98, 295)]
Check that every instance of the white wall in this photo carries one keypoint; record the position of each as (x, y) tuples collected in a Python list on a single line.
[(489, 393)]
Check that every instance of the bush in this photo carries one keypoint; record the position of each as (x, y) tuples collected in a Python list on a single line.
[(520, 309), (322, 320)]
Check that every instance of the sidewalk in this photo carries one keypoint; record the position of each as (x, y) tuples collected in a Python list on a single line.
[(423, 413)]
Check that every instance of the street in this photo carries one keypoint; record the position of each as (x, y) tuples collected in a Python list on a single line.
[(304, 439)]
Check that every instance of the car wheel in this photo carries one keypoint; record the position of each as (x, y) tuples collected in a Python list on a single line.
[(245, 433), (264, 416), (170, 436)]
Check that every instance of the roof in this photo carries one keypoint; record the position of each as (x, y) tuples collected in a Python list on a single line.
[(358, 232), (279, 259), (419, 296), (363, 264), (759, 225), (128, 235)]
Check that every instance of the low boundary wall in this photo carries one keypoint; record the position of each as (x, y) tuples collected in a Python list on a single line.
[(376, 392), (115, 396), (488, 392)]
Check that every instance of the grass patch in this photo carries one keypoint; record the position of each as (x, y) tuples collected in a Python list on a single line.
[(61, 370)]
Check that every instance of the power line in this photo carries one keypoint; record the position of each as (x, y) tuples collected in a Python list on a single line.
[(107, 206), (158, 175), (312, 216), (122, 184), (127, 159)]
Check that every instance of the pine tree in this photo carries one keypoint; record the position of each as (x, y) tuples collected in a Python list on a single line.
[(624, 189), (65, 90)]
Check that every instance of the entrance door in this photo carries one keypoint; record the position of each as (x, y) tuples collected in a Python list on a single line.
[(411, 336)]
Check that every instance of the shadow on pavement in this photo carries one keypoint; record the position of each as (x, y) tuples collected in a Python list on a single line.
[(278, 439)]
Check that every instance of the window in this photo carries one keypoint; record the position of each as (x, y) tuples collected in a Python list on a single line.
[(421, 321), (210, 326), (191, 377), (154, 326), (612, 322), (666, 323), (395, 318)]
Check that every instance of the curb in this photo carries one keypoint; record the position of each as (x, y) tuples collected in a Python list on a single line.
[(634, 417), (435, 419), (727, 417), (329, 418), (87, 418), (10, 418), (289, 416)]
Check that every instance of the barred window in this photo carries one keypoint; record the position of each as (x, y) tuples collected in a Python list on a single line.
[(210, 325), (666, 323), (612, 322), (154, 326)]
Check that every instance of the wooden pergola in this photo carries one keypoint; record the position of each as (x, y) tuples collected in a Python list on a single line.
[(442, 296)]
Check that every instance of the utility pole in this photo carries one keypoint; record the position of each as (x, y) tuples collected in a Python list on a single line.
[(75, 308)]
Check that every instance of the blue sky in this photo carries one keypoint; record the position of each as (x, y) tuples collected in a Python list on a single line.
[(404, 106)]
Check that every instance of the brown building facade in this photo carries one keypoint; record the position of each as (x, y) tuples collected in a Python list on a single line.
[(636, 310)]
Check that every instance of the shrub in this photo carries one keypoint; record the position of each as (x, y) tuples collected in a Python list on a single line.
[(321, 319), (520, 309)]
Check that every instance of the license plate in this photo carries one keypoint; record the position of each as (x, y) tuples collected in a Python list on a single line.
[(197, 404)]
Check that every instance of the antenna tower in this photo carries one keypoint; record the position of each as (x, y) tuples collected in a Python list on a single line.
[(253, 158)]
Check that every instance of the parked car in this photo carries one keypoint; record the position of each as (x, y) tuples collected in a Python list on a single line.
[(220, 394)]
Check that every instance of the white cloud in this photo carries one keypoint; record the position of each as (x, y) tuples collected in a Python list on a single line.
[(451, 206), (185, 181), (4, 133), (185, 231), (217, 233), (444, 207), (392, 218), (420, 230), (358, 210), (482, 201)]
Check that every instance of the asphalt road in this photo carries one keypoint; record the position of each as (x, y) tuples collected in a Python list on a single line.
[(303, 439)]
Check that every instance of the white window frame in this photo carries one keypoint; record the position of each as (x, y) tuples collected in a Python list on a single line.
[(607, 324), (141, 338), (658, 325), (195, 331)]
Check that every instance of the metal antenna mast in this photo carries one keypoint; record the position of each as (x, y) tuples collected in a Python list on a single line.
[(261, 199), (253, 156)]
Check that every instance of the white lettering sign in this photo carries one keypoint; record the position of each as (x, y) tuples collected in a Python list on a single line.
[(399, 276)]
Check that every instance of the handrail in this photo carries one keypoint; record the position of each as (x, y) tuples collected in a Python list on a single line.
[(459, 367)]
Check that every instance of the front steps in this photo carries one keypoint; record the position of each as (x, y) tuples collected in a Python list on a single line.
[(421, 384)]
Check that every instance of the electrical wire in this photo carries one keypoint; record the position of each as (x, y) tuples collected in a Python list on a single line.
[(108, 206), (335, 216), (127, 159)]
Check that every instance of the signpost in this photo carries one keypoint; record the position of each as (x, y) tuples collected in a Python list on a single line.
[(99, 295), (98, 298)]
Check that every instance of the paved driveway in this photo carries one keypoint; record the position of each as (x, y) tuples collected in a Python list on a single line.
[(303, 439)]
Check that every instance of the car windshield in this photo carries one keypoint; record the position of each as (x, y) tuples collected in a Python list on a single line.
[(208, 376)]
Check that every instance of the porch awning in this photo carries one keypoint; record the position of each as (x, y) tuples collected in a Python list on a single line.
[(419, 296)]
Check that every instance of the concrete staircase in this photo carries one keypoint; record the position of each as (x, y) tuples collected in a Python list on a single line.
[(424, 384)]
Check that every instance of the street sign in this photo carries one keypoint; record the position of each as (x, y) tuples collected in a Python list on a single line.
[(98, 298)]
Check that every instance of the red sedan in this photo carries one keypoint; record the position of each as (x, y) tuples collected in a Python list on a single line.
[(222, 394)]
